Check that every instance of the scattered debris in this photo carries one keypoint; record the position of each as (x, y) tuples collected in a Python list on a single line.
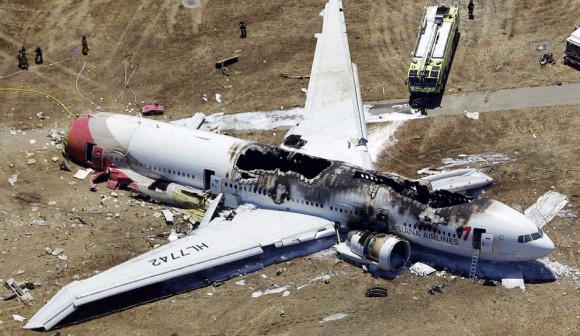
[(226, 61), (18, 318), (57, 251), (286, 75), (30, 162), (259, 293), (377, 292), (32, 141), (83, 173), (490, 283), (153, 109), (18, 290), (241, 282), (56, 137), (12, 179), (65, 165), (173, 236), (436, 289), (168, 216), (279, 271), (421, 269), (471, 115), (333, 317), (218, 97)]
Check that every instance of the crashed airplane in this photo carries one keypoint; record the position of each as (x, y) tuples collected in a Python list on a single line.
[(319, 181)]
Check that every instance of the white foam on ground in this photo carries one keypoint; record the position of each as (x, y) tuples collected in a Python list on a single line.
[(382, 137), (466, 160)]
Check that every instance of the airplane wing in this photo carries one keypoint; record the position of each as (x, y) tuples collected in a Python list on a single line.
[(334, 125), (221, 250)]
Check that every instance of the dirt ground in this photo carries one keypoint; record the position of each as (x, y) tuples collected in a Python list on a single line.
[(141, 51)]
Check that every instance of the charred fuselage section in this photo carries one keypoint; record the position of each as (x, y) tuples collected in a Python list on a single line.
[(352, 197)]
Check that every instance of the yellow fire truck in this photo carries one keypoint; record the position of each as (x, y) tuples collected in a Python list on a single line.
[(434, 49)]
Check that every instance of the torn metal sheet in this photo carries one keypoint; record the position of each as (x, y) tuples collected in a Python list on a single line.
[(81, 174), (421, 269), (22, 293), (546, 208), (168, 216)]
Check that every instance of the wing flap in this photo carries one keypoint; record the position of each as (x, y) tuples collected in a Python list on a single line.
[(211, 247)]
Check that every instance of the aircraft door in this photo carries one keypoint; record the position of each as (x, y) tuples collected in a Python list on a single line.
[(215, 185), (487, 243), (98, 156), (207, 178), (477, 234)]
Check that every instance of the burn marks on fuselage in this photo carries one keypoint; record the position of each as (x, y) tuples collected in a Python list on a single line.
[(348, 194)]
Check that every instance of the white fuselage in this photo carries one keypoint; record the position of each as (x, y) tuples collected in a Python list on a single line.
[(273, 178)]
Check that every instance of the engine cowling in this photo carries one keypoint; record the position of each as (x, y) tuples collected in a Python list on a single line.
[(387, 252)]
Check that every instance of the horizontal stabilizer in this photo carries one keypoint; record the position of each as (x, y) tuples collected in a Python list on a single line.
[(258, 236)]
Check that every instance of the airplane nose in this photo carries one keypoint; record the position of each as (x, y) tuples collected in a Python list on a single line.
[(78, 136), (541, 247)]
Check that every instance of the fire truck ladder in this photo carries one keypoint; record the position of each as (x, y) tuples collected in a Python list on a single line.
[(474, 260), (432, 40)]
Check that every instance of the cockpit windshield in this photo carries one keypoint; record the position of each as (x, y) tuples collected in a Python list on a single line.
[(530, 237)]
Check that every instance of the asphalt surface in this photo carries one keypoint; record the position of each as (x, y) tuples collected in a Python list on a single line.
[(502, 100)]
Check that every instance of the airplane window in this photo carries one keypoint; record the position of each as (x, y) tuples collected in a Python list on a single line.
[(520, 239), (331, 208), (438, 232), (454, 235), (235, 186), (536, 235), (527, 238), (448, 234), (165, 170), (414, 226), (264, 192), (340, 209), (178, 173)]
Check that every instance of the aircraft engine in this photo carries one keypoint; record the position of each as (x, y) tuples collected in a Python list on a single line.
[(385, 251)]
